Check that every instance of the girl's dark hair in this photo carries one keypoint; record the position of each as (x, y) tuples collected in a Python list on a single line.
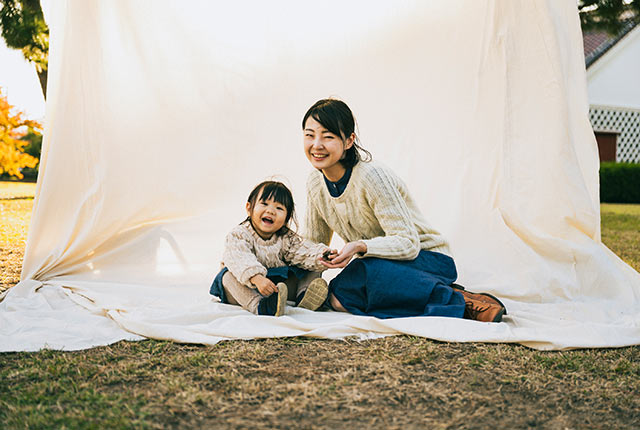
[(279, 193), (335, 116)]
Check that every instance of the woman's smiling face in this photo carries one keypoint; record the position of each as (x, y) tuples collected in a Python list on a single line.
[(324, 150)]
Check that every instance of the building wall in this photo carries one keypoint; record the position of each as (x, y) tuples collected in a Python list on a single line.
[(614, 79), (625, 123), (613, 83)]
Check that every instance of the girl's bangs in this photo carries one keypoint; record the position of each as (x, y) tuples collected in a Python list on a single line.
[(278, 193)]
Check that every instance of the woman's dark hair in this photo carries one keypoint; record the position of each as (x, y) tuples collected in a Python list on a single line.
[(335, 116), (279, 193)]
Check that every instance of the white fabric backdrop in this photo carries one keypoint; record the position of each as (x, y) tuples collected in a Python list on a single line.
[(162, 115)]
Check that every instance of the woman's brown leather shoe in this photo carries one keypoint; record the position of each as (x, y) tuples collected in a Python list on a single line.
[(482, 311), (481, 297)]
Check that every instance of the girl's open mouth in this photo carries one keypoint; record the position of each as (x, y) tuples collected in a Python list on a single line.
[(267, 220)]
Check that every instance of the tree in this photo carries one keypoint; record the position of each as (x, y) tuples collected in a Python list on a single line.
[(23, 27), (13, 128), (608, 15), (33, 147)]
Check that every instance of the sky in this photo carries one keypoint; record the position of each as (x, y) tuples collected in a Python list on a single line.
[(19, 80)]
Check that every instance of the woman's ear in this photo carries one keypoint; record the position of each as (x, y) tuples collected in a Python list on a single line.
[(349, 142)]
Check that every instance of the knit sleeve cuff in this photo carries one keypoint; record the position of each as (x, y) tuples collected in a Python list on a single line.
[(388, 247), (250, 272)]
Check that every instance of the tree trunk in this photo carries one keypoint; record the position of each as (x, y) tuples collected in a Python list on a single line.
[(42, 76)]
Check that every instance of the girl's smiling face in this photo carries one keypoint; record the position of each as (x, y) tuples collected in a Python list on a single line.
[(267, 217), (324, 150)]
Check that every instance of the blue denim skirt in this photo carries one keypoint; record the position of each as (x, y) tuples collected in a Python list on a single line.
[(275, 275), (394, 288)]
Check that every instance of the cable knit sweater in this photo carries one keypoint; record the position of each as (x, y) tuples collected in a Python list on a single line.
[(246, 254), (376, 208)]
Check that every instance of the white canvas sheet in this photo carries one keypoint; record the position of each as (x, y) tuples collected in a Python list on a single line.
[(162, 115)]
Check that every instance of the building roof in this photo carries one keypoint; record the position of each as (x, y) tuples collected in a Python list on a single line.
[(597, 43)]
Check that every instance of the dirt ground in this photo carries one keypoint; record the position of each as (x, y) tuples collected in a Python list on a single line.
[(391, 383)]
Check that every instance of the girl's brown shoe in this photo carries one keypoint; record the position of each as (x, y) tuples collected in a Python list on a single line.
[(315, 295)]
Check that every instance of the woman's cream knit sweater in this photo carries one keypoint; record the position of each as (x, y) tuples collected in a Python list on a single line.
[(376, 208)]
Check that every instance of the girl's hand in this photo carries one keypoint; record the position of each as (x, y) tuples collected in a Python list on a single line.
[(264, 285), (345, 255), (329, 254)]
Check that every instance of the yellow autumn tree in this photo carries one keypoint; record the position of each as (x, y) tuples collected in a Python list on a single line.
[(13, 127)]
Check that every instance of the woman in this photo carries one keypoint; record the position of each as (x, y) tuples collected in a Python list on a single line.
[(405, 269)]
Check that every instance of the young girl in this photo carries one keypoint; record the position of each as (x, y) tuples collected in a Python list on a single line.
[(407, 269), (263, 258)]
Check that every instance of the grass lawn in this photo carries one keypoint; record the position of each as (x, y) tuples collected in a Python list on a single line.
[(16, 202), (621, 231), (392, 383)]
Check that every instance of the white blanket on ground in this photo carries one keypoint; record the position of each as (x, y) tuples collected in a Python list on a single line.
[(161, 116)]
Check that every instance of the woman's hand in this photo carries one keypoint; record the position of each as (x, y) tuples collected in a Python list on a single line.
[(264, 285), (345, 255)]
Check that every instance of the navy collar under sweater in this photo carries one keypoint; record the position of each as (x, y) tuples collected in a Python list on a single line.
[(337, 188)]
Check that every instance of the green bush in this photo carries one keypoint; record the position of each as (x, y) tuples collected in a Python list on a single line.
[(619, 182)]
